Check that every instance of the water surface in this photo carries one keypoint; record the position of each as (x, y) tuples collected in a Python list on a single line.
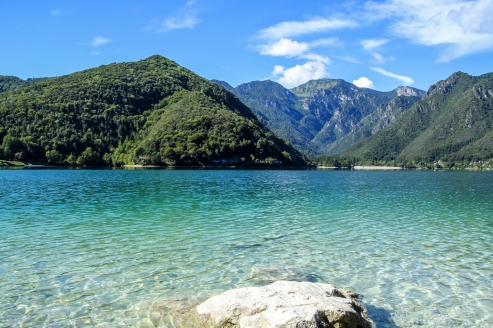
[(96, 247)]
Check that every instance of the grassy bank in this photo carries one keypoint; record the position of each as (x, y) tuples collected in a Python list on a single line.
[(11, 163)]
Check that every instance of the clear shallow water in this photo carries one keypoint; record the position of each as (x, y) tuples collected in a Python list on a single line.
[(95, 247)]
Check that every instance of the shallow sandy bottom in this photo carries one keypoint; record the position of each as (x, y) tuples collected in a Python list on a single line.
[(99, 248)]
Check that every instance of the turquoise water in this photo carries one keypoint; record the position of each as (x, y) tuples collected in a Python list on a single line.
[(96, 247)]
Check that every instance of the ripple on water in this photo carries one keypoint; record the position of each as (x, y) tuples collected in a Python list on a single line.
[(118, 248)]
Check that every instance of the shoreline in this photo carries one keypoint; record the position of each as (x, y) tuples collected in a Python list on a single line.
[(40, 165), (141, 165), (374, 167), (248, 167)]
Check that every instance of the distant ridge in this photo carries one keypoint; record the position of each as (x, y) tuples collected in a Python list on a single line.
[(325, 116), (8, 83)]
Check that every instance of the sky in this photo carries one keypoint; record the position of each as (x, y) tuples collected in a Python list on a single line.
[(373, 44)]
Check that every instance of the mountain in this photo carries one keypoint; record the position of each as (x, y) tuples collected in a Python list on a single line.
[(8, 83), (277, 107), (452, 123), (337, 106), (224, 85), (322, 116), (383, 116), (152, 111), (408, 91)]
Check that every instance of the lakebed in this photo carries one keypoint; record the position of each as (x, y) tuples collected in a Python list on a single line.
[(98, 247)]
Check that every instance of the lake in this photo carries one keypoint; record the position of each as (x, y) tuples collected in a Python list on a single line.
[(97, 247)]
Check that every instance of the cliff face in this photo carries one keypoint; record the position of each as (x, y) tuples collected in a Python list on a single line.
[(408, 91), (339, 109), (382, 117)]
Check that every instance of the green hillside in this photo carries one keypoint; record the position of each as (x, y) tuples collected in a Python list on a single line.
[(452, 123), (8, 83), (152, 112)]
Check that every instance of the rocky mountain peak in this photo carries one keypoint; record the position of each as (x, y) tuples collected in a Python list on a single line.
[(408, 91), (313, 86), (444, 86)]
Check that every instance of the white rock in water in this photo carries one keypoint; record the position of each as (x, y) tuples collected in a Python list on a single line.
[(286, 304)]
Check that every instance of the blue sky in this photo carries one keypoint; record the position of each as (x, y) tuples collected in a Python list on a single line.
[(377, 44)]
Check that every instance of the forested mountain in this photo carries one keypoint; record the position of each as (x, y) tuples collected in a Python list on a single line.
[(152, 111), (323, 116), (8, 83), (452, 123)]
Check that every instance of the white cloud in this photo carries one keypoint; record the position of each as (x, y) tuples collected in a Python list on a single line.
[(370, 44), (186, 20), (331, 42), (380, 60), (183, 17), (289, 48), (288, 29), (463, 26), (278, 69), (407, 80), (99, 41), (350, 59), (55, 12), (95, 53), (314, 68), (300, 74), (284, 47), (316, 57), (364, 82)]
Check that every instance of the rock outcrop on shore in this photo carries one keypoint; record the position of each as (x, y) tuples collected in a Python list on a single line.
[(285, 304)]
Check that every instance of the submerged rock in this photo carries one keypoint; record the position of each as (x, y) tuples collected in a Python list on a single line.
[(172, 312), (267, 274), (285, 304)]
